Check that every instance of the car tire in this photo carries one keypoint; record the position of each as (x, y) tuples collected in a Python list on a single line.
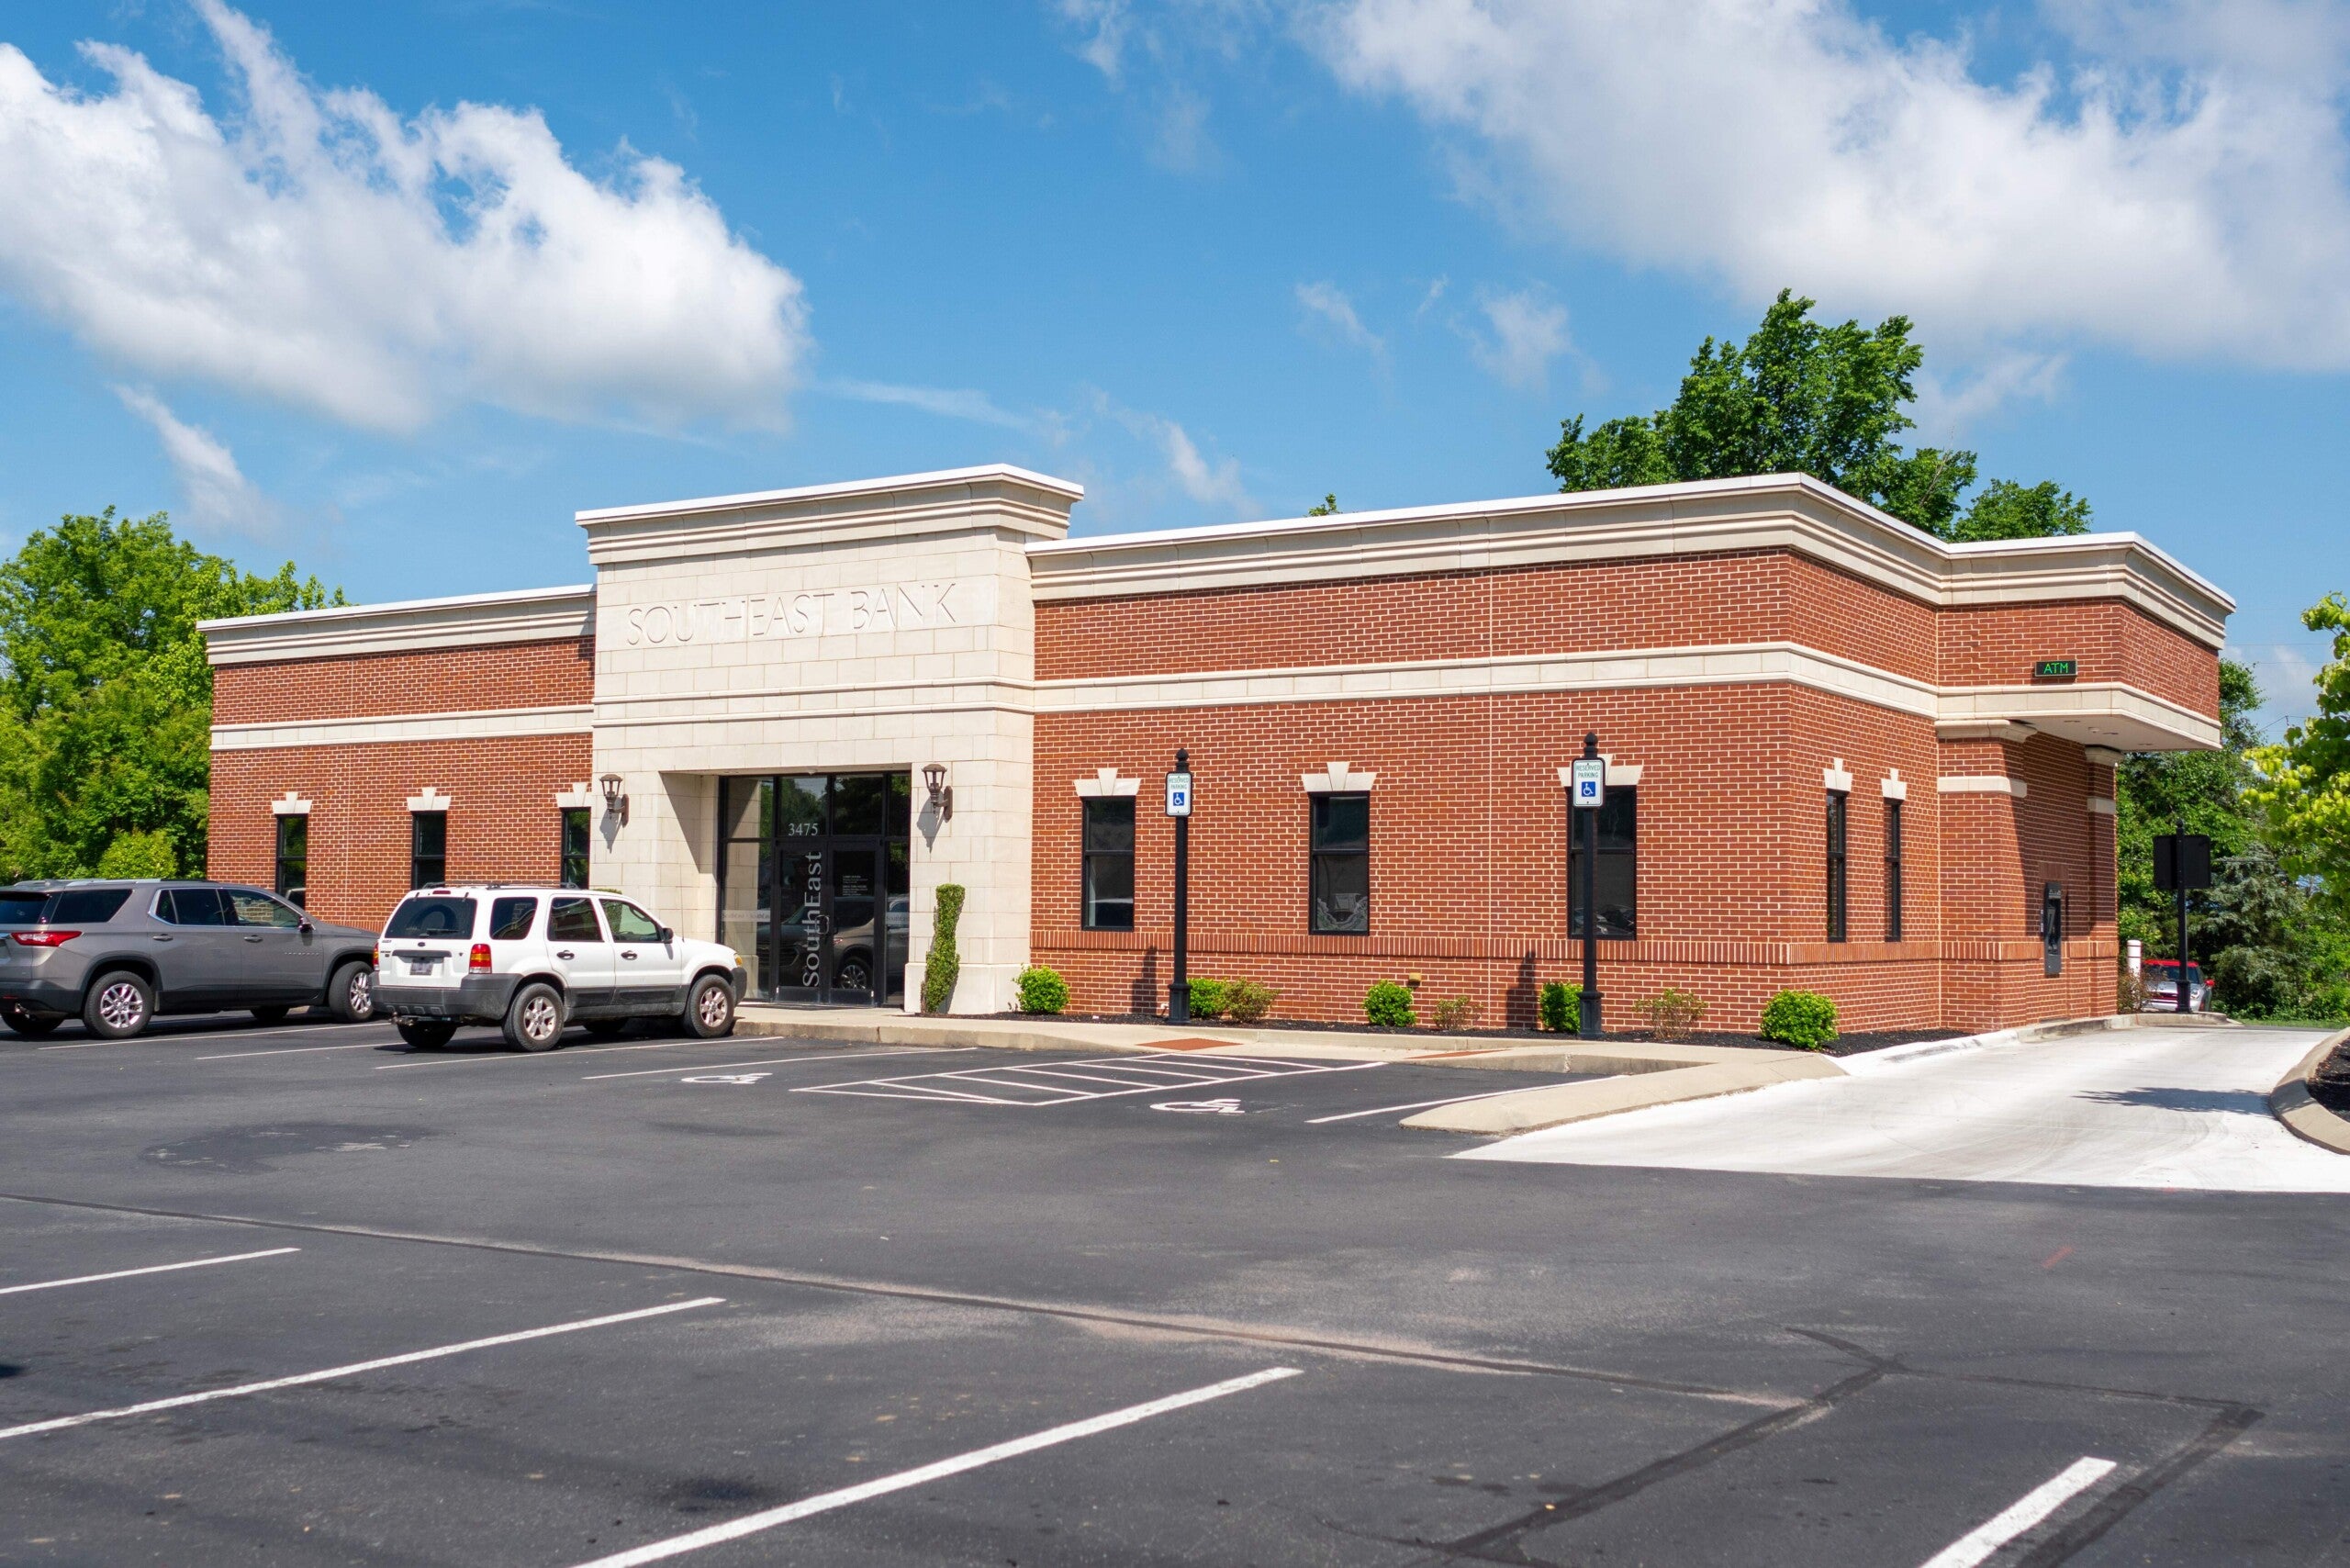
[(119, 1006), (272, 1013), (26, 1022), (709, 1009), (534, 1019), (350, 994), (606, 1028), (424, 1034)]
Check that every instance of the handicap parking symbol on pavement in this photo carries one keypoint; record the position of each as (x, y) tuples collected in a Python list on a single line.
[(1201, 1107)]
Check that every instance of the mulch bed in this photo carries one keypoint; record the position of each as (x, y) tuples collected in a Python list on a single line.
[(1843, 1046), (2329, 1083)]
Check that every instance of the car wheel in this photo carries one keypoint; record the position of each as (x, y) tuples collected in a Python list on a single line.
[(424, 1034), (855, 974), (24, 1021), (119, 1006), (350, 995), (534, 1021), (710, 1008), (272, 1013), (606, 1028)]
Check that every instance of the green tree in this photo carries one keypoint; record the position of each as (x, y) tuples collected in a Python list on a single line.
[(1801, 397), (2304, 788), (1329, 506), (105, 697)]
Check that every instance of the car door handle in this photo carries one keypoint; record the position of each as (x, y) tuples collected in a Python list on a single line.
[(565, 953), (252, 939), (630, 954), (161, 940)]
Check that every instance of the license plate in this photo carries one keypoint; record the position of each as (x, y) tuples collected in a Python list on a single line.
[(421, 965)]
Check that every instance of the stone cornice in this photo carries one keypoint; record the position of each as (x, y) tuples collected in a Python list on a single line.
[(418, 625), (1768, 513), (958, 501)]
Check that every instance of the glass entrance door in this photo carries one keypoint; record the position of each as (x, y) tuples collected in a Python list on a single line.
[(814, 884)]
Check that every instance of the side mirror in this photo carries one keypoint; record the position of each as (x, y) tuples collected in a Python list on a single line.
[(306, 928), (667, 936)]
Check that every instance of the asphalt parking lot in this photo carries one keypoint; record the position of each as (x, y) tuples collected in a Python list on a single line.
[(298, 1294)]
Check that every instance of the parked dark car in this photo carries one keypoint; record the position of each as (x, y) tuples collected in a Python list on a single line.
[(117, 953)]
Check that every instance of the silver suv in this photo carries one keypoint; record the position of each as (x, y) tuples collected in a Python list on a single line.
[(531, 960), (118, 953)]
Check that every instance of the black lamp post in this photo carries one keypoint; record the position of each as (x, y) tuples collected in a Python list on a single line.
[(1588, 826), (1178, 806)]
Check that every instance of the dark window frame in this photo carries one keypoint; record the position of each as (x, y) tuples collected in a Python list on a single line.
[(295, 889), (1838, 831), (1892, 869), (1316, 854), (1088, 913), (419, 857), (584, 818), (1629, 795)]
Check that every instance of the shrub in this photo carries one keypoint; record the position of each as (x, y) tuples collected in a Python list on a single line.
[(1673, 1012), (1041, 991), (2130, 995), (1247, 1001), (1804, 1019), (1387, 1004), (1455, 1013), (1561, 1007), (138, 854), (1210, 998), (942, 965)]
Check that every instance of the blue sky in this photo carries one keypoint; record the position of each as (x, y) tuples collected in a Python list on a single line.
[(394, 289)]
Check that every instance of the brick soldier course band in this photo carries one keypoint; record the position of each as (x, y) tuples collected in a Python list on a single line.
[(1840, 756)]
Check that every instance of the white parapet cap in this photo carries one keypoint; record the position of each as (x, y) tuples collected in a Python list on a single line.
[(1765, 512), (993, 494), (462, 621)]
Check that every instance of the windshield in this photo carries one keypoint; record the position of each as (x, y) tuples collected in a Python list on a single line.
[(432, 918), (2166, 971)]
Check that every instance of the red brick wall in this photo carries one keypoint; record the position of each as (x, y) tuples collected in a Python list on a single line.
[(502, 822), (1998, 645), (503, 675), (1748, 597)]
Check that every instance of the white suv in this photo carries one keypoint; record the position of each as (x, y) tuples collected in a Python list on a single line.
[(533, 959)]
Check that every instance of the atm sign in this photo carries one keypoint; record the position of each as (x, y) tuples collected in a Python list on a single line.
[(2055, 669)]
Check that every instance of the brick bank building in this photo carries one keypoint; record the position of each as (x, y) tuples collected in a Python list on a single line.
[(1842, 755)]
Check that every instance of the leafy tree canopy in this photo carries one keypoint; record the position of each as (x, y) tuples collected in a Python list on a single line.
[(1328, 507), (2303, 789), (105, 697), (1803, 397)]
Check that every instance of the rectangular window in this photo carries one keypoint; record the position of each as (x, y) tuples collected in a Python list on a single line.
[(1837, 803), (576, 829), (572, 920), (511, 919), (1109, 892), (428, 848), (1893, 870), (1340, 844), (1616, 874), (294, 860)]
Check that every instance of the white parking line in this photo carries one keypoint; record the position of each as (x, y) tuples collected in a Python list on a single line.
[(441, 1061), (773, 1062), (163, 1036), (300, 1050), (2020, 1514), (153, 1269), (1416, 1105), (881, 1486), (1153, 1074), (354, 1368)]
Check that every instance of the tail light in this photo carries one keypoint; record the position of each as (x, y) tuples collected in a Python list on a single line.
[(45, 939), (480, 960)]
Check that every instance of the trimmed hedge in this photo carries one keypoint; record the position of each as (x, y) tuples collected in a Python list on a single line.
[(1209, 997), (1561, 1007), (1804, 1019), (942, 965), (1041, 991), (1247, 1001), (1387, 1004)]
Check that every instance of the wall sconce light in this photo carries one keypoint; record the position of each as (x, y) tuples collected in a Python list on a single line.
[(615, 802), (942, 796)]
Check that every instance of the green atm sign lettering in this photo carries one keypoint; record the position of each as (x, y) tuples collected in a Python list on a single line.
[(2055, 669)]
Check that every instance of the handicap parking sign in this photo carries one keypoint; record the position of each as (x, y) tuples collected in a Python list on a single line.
[(1589, 780)]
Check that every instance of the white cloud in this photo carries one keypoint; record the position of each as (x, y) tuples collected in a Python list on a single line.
[(1208, 482), (1948, 407), (218, 496), (2181, 193), (320, 251), (1527, 331), (1107, 23), (1328, 303), (948, 402)]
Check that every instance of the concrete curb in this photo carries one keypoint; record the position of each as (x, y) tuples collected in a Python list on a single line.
[(1530, 1109), (2303, 1116)]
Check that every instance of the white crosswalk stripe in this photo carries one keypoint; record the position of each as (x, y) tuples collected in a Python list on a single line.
[(1070, 1083)]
